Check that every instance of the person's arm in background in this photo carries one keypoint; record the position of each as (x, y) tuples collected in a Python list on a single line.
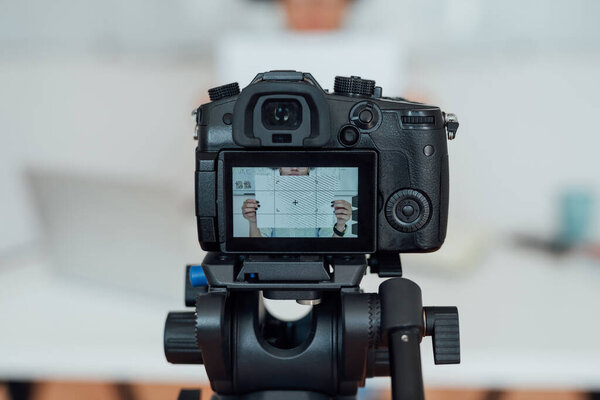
[(343, 212), (249, 209)]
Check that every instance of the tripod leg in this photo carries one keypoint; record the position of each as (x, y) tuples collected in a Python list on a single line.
[(125, 391), (493, 395), (187, 394), (19, 390)]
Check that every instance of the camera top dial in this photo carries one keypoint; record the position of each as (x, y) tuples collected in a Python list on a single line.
[(354, 86)]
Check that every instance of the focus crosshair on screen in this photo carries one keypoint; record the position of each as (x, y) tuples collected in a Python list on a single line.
[(286, 202)]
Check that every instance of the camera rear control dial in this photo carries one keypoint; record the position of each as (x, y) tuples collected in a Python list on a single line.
[(222, 92), (366, 116), (407, 210)]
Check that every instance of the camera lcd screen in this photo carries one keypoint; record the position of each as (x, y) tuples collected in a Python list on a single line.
[(304, 201)]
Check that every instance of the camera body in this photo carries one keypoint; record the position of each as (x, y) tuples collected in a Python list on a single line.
[(395, 149)]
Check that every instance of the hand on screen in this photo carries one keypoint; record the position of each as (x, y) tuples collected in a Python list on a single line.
[(343, 213), (249, 209)]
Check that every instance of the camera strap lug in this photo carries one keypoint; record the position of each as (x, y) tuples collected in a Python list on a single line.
[(451, 123), (197, 116)]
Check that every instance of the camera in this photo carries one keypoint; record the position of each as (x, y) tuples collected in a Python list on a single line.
[(298, 192), (284, 166)]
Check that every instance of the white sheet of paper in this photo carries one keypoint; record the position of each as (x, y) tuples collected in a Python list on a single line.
[(297, 201)]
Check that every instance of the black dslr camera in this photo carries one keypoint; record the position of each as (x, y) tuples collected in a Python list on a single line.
[(385, 158), (299, 193)]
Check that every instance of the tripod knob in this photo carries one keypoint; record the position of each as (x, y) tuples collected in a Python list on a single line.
[(180, 339), (442, 324)]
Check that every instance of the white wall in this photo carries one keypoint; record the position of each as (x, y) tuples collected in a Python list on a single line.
[(81, 80), (129, 120), (528, 132), (103, 90)]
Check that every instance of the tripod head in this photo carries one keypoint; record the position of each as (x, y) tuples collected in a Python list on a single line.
[(348, 335)]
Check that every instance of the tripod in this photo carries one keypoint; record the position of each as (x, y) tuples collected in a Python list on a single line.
[(347, 337)]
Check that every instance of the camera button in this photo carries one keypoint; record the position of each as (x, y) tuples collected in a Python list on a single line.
[(428, 150), (365, 116), (408, 210), (349, 135)]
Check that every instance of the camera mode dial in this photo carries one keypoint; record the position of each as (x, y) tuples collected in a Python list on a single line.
[(354, 85), (221, 92), (407, 210)]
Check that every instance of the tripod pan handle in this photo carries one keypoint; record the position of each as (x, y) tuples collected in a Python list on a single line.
[(405, 363), (402, 322)]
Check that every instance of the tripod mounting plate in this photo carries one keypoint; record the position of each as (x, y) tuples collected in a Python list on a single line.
[(265, 272)]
